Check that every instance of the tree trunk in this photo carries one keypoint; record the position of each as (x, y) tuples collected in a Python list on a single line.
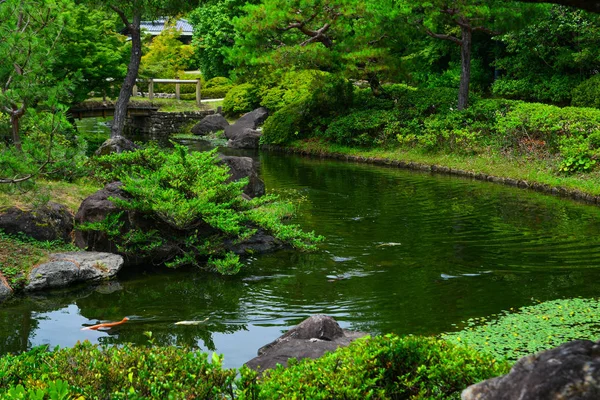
[(374, 83), (15, 116), (129, 81), (465, 73)]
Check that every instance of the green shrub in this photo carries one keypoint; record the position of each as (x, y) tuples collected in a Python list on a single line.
[(212, 93), (370, 368), (305, 112), (188, 197), (241, 99), (123, 372), (557, 130), (377, 368), (285, 124), (217, 81), (587, 93), (361, 128), (513, 334)]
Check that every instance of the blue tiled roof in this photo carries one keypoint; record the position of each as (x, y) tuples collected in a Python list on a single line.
[(155, 27)]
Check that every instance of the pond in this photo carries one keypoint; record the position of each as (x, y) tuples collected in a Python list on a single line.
[(405, 252)]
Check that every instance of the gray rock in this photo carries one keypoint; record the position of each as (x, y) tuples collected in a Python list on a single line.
[(257, 243), (570, 371), (117, 144), (241, 167), (96, 208), (310, 339), (52, 221), (5, 289), (248, 139), (251, 120), (209, 124), (64, 269)]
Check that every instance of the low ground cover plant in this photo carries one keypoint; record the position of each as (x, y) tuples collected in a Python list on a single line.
[(513, 334)]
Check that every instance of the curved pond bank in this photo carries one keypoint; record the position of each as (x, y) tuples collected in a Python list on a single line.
[(406, 252), (307, 149)]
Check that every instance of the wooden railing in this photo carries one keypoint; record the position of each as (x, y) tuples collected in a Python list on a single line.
[(177, 83)]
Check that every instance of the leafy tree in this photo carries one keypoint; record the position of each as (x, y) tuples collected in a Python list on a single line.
[(91, 52), (131, 13), (166, 55), (30, 31), (329, 35), (548, 57), (457, 21), (214, 34)]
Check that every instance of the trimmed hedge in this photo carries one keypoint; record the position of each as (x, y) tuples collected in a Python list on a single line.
[(380, 367), (241, 99)]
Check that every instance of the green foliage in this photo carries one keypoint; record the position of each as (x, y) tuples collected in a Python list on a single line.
[(546, 58), (513, 334), (370, 368), (380, 367), (217, 82), (361, 128), (51, 150), (125, 372), (241, 99), (188, 197), (587, 93), (306, 108)]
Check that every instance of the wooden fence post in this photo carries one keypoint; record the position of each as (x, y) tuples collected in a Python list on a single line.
[(177, 90), (151, 89), (198, 93)]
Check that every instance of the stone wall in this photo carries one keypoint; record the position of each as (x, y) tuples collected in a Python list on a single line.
[(161, 125)]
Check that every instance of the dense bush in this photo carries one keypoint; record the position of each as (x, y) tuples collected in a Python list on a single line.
[(91, 372), (587, 94), (516, 333), (361, 128), (187, 195), (241, 99), (381, 367), (217, 81), (305, 112)]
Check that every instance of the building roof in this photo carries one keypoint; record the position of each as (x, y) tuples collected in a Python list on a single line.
[(155, 27)]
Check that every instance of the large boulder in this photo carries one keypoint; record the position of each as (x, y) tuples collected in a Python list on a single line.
[(248, 139), (96, 208), (51, 221), (241, 167), (251, 120), (64, 269), (570, 371), (310, 339), (117, 144), (209, 124)]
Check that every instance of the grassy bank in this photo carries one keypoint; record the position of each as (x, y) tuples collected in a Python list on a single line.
[(488, 163), (19, 254)]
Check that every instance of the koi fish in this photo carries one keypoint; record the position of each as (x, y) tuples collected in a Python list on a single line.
[(191, 322), (105, 325)]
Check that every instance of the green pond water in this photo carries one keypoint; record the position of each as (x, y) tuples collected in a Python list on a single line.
[(405, 252)]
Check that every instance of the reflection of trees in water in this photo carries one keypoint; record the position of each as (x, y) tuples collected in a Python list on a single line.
[(154, 301), (16, 326)]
